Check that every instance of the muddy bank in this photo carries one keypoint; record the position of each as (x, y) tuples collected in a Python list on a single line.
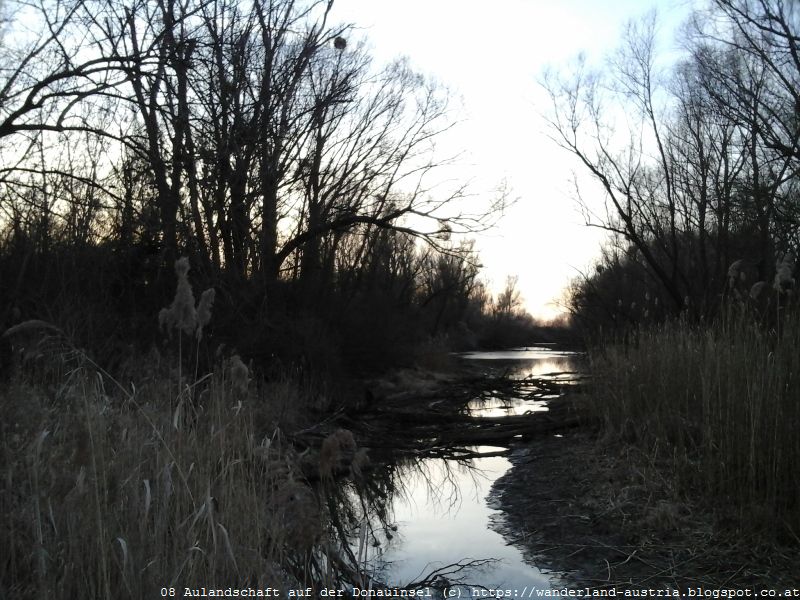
[(600, 515)]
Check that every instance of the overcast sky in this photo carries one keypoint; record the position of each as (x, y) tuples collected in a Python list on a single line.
[(492, 58)]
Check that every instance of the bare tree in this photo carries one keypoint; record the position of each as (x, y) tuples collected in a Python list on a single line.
[(51, 86), (508, 302), (749, 56), (707, 174), (270, 136), (640, 198)]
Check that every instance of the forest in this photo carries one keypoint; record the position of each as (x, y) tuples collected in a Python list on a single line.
[(216, 219), (229, 239), (260, 142)]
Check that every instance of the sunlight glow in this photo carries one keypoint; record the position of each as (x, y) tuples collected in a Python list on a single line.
[(492, 59)]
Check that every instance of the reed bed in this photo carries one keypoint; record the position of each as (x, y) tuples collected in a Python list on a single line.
[(177, 478), (719, 406), (125, 492)]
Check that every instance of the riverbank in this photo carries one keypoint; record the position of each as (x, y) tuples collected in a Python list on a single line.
[(601, 514)]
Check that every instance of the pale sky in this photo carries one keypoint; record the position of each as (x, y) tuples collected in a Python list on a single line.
[(492, 58)]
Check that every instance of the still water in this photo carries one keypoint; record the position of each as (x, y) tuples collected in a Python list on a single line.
[(444, 511)]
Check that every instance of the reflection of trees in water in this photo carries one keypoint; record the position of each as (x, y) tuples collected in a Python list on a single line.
[(528, 367), (362, 520), (358, 509), (539, 367), (442, 479), (430, 457)]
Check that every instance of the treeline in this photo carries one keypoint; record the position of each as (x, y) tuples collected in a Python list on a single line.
[(400, 302), (697, 161), (258, 139), (691, 310)]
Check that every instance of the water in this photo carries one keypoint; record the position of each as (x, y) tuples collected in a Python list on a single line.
[(444, 511), (534, 361), (539, 362)]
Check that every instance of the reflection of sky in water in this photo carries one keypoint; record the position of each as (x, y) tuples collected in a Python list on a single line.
[(443, 515), (518, 353), (443, 518), (533, 362), (504, 407), (525, 362)]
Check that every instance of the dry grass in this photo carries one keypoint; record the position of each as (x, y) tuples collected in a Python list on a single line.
[(173, 479), (719, 405), (115, 495)]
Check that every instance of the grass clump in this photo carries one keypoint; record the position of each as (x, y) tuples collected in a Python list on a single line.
[(719, 407)]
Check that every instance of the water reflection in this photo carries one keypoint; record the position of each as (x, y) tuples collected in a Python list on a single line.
[(539, 362), (443, 518), (505, 407), (532, 362), (432, 512)]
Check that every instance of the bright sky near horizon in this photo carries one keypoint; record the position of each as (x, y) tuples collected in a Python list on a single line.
[(492, 58)]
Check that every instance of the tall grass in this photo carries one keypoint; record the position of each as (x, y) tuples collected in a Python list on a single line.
[(720, 404), (174, 473), (108, 494), (139, 490)]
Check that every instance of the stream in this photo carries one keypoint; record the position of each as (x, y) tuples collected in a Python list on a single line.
[(444, 510)]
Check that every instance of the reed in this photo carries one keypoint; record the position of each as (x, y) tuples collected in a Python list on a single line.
[(718, 404), (113, 490), (108, 495)]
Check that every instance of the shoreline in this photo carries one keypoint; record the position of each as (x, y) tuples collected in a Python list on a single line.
[(598, 514)]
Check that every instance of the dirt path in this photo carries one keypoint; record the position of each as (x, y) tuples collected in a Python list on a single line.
[(604, 517)]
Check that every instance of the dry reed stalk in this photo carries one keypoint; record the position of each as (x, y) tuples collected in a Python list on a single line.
[(721, 402)]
